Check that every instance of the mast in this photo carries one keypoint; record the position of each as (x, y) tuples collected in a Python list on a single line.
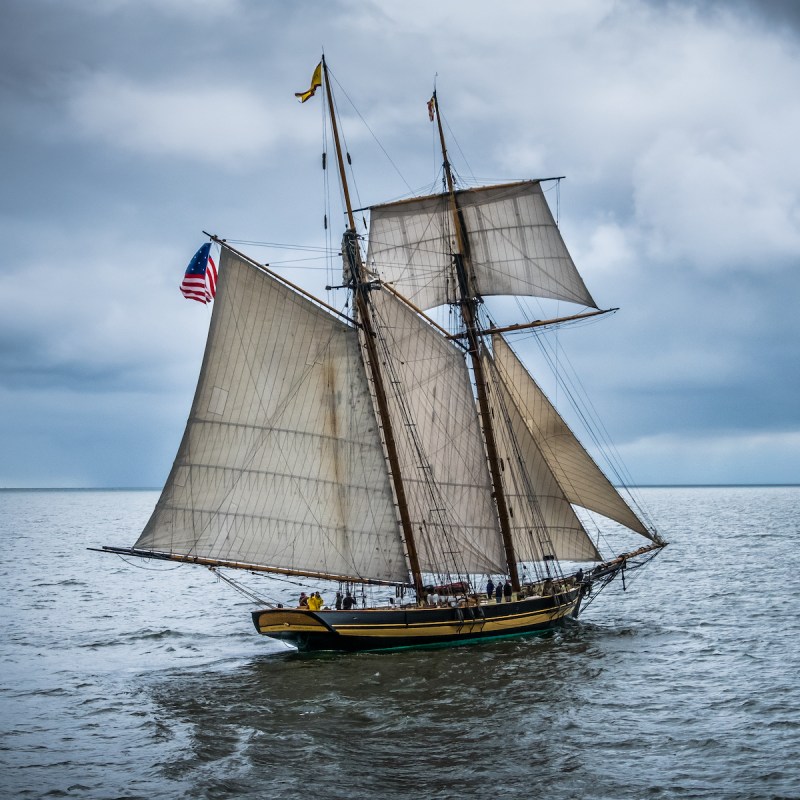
[(352, 253), (469, 313)]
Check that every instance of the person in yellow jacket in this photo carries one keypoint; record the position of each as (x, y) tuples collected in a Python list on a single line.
[(315, 602)]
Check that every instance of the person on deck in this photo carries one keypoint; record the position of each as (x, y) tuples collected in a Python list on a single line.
[(348, 602), (489, 589), (303, 602), (507, 591), (338, 601), (498, 592)]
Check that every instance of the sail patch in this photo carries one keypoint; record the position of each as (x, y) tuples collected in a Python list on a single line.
[(216, 404)]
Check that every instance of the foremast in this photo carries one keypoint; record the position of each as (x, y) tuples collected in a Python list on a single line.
[(469, 303), (351, 252)]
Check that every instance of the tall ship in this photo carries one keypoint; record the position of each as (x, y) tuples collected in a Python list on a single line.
[(406, 465)]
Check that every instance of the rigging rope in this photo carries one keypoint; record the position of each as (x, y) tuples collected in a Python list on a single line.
[(372, 133)]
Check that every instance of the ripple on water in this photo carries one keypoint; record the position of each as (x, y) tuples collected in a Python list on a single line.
[(151, 683)]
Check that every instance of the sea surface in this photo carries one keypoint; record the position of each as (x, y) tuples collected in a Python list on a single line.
[(148, 680)]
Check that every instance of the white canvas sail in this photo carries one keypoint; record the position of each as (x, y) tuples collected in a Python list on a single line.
[(581, 480), (439, 442), (542, 520), (281, 463), (515, 247)]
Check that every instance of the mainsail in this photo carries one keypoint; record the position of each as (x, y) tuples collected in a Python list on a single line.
[(441, 452), (281, 463), (515, 246)]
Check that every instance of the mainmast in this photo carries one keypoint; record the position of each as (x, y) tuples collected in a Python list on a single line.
[(361, 289), (469, 311)]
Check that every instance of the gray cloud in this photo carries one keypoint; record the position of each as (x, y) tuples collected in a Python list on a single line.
[(129, 127), (778, 15)]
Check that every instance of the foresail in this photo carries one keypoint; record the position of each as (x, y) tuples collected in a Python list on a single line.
[(515, 246), (581, 480), (543, 522), (281, 462), (442, 459)]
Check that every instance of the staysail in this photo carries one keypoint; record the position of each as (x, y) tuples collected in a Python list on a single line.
[(580, 479), (281, 462), (515, 246), (543, 522)]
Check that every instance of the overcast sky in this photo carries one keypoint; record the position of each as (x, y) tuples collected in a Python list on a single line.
[(130, 126)]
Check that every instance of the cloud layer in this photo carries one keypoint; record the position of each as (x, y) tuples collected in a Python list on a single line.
[(130, 127)]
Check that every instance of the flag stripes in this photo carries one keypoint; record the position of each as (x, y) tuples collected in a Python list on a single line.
[(200, 281)]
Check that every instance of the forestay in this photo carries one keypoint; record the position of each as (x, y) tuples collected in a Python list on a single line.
[(281, 463), (515, 247)]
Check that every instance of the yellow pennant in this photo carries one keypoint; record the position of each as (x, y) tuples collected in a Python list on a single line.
[(316, 82)]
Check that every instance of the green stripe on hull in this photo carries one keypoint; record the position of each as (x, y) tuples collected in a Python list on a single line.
[(460, 642)]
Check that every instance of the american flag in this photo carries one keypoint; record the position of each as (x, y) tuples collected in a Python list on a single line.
[(200, 281)]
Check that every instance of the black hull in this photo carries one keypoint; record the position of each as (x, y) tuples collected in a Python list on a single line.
[(414, 627)]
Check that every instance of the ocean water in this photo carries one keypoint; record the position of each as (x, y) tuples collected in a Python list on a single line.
[(139, 680)]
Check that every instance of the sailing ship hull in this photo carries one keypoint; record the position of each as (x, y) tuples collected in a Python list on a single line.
[(388, 629)]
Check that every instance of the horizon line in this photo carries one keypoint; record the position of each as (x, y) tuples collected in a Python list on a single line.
[(616, 486)]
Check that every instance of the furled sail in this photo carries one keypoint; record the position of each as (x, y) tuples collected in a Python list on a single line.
[(515, 246), (582, 481), (543, 523), (281, 463), (439, 442)]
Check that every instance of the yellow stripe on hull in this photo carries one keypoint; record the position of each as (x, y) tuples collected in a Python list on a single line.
[(455, 627)]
